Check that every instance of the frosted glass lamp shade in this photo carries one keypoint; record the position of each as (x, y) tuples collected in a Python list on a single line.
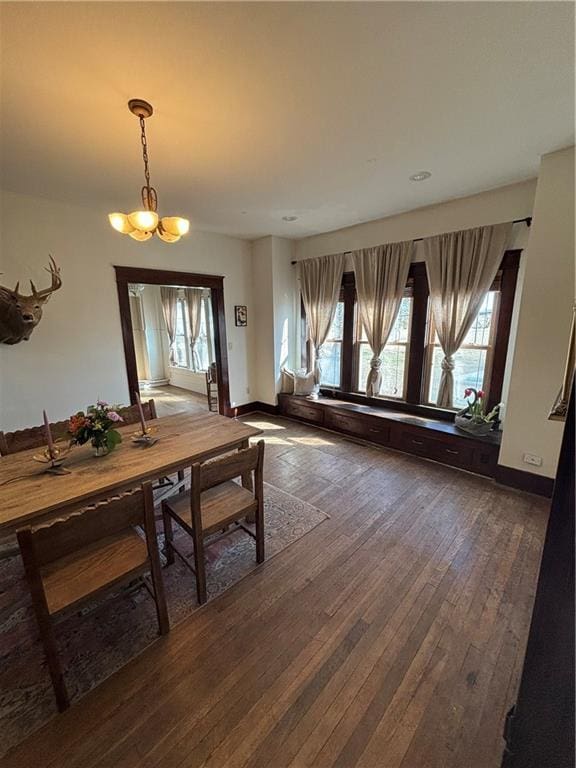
[(143, 221), (140, 236), (166, 236), (175, 225), (120, 223)]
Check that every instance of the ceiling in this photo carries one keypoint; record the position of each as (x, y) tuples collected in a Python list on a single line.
[(264, 110)]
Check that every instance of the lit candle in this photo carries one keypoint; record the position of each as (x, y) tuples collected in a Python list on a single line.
[(141, 412), (48, 435)]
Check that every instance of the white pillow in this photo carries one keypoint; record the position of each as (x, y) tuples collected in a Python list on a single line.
[(304, 383)]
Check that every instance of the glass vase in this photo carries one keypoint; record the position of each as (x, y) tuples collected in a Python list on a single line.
[(100, 448)]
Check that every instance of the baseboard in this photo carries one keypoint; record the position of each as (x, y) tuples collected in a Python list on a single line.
[(242, 410), (524, 481)]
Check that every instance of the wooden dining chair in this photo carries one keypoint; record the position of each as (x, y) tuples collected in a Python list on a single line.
[(131, 414), (73, 559), (214, 503), (32, 437), (212, 387)]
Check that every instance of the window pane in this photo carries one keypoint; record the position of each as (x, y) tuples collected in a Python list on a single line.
[(393, 357), (336, 331), (330, 363), (393, 367), (180, 350), (468, 371), (401, 328), (479, 333), (200, 362), (180, 343)]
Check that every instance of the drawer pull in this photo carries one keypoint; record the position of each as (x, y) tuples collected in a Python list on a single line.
[(454, 453), (417, 442), (376, 431)]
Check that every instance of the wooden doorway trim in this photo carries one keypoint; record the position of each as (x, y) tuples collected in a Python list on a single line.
[(127, 275)]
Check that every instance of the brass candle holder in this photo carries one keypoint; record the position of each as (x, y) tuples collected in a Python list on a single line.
[(145, 438), (54, 457)]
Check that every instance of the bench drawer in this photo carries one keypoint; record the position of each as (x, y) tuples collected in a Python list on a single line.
[(453, 452), (304, 410), (367, 429)]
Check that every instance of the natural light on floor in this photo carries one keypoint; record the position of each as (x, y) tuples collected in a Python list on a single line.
[(311, 441)]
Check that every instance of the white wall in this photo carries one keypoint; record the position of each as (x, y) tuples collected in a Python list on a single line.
[(503, 204), (544, 321), (262, 315), (182, 377), (274, 300), (75, 355), (155, 334), (286, 307)]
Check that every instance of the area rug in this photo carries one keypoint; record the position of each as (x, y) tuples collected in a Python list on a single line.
[(106, 635)]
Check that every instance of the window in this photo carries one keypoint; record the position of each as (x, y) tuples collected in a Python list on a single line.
[(200, 360), (411, 361), (472, 362), (181, 336), (394, 356), (331, 352)]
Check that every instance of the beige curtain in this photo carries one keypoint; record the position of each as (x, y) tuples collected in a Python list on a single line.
[(194, 303), (320, 283), (169, 298), (461, 267), (381, 274)]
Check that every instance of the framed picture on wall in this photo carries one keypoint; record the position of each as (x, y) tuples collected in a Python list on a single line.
[(241, 315)]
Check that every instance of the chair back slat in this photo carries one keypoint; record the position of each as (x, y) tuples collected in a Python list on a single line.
[(230, 467), (32, 437), (131, 415), (61, 537)]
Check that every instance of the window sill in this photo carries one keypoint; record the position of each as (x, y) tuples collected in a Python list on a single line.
[(430, 411)]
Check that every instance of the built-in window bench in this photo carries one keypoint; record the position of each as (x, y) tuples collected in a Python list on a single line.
[(431, 438)]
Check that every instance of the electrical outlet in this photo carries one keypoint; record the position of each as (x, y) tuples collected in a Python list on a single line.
[(247, 390), (529, 458)]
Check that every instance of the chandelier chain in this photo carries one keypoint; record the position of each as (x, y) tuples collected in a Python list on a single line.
[(144, 151)]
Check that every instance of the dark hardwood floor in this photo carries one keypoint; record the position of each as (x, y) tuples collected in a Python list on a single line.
[(391, 636)]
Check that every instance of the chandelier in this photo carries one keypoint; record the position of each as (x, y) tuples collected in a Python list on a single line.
[(141, 225)]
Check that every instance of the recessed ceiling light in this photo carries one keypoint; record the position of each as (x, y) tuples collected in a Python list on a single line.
[(289, 218), (420, 176)]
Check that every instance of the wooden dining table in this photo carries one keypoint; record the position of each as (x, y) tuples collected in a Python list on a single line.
[(29, 495)]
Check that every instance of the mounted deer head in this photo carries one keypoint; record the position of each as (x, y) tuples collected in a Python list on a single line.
[(20, 314)]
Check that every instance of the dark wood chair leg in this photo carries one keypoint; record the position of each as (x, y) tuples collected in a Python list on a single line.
[(154, 557), (260, 533), (43, 618), (53, 661), (160, 600), (199, 566), (168, 535), (182, 485)]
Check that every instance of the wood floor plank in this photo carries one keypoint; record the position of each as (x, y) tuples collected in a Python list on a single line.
[(390, 636)]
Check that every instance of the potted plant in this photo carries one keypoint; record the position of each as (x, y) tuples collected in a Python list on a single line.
[(97, 425), (473, 418)]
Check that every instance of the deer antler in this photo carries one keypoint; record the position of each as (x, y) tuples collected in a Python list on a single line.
[(54, 271)]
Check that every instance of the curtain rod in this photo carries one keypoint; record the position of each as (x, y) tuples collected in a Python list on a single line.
[(527, 220)]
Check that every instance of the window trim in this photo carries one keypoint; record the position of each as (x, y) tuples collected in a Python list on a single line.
[(415, 396)]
